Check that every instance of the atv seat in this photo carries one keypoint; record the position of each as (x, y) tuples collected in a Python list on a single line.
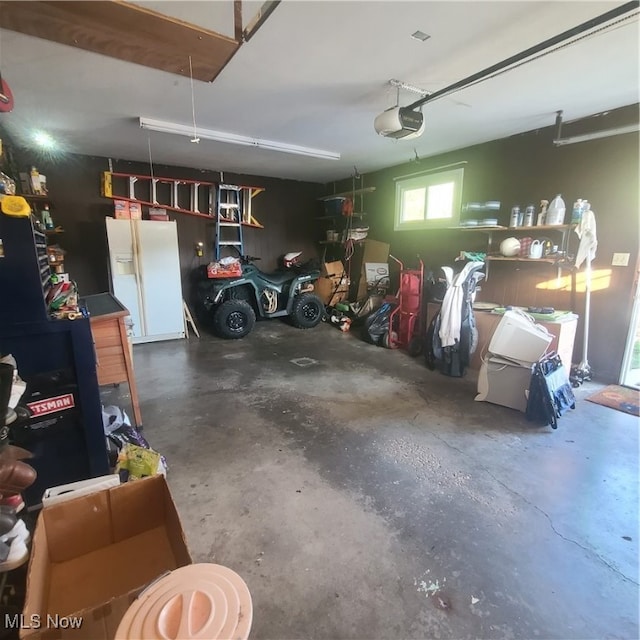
[(280, 277)]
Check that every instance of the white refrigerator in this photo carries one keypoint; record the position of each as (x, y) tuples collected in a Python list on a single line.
[(145, 276)]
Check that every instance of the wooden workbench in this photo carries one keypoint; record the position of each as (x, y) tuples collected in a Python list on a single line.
[(114, 363)]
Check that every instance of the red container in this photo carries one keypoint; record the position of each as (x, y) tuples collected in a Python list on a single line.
[(215, 270), (525, 245)]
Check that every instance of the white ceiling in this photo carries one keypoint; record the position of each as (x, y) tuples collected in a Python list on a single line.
[(316, 74)]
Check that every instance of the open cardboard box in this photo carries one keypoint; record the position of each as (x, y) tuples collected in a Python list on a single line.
[(333, 285), (372, 251), (92, 555)]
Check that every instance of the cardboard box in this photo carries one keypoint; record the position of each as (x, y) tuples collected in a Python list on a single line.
[(372, 251), (135, 211), (335, 268), (377, 275), (157, 213), (92, 555), (121, 209), (333, 286)]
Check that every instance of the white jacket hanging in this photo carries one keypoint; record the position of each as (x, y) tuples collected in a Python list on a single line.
[(451, 311)]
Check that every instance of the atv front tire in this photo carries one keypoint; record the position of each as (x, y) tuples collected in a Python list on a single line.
[(307, 311), (234, 319)]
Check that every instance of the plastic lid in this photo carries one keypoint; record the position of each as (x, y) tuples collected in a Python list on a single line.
[(204, 601)]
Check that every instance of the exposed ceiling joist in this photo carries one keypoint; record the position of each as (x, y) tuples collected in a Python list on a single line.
[(124, 31)]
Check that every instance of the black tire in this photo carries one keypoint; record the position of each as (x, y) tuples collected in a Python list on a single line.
[(415, 346), (307, 311), (233, 319)]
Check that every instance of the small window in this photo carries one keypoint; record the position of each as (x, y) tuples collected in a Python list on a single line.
[(431, 200)]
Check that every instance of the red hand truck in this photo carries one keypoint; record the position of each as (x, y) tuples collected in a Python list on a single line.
[(404, 321)]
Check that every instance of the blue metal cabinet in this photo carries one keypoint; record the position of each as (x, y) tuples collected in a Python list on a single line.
[(56, 358)]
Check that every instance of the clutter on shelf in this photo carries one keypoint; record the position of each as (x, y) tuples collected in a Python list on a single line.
[(7, 185), (62, 299), (32, 182)]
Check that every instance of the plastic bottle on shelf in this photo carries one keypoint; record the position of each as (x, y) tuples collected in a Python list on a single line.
[(516, 217), (577, 211), (542, 216), (529, 212), (557, 209), (46, 218)]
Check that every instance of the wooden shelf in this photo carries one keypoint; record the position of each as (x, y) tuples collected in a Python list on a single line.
[(479, 228), (544, 227), (28, 196), (347, 194), (505, 259), (53, 232), (340, 216)]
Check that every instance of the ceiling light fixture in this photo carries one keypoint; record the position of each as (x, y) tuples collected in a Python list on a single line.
[(43, 140), (234, 138)]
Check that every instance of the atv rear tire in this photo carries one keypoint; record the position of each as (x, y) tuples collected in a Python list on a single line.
[(234, 319), (307, 311)]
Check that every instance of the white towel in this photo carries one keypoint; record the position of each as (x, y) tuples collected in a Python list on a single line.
[(586, 231)]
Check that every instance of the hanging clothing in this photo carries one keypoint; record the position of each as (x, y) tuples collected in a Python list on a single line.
[(586, 231), (454, 298), (452, 335)]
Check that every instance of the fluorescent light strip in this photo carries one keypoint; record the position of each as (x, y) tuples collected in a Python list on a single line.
[(234, 138), (607, 133)]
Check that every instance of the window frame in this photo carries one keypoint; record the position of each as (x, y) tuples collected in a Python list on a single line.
[(425, 181)]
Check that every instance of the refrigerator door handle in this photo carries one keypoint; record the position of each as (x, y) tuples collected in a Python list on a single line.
[(137, 250)]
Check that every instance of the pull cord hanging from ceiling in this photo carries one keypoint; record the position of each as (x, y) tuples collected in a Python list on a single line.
[(195, 138)]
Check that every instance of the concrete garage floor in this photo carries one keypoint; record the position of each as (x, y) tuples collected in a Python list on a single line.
[(364, 496)]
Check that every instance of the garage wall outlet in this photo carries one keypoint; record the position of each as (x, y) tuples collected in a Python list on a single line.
[(620, 260)]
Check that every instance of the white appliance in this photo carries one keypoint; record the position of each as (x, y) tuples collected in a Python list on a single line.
[(145, 276), (502, 382), (518, 338), (516, 344)]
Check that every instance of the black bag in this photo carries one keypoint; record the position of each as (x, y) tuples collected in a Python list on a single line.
[(376, 327), (550, 392)]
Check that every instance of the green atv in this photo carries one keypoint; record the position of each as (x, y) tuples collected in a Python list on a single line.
[(232, 304)]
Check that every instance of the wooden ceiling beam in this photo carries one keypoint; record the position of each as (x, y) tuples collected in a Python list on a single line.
[(124, 31)]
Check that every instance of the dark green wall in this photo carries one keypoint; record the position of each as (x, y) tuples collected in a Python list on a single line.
[(520, 169), (286, 209), (525, 169)]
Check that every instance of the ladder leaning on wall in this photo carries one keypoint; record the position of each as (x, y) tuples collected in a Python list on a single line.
[(229, 205), (228, 216)]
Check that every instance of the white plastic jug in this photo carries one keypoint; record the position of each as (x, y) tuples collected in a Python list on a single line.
[(556, 211), (535, 249)]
